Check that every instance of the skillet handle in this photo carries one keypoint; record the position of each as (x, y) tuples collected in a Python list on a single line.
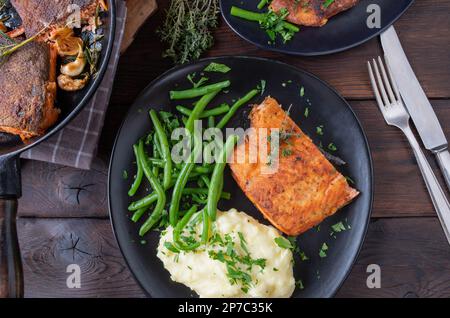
[(11, 276)]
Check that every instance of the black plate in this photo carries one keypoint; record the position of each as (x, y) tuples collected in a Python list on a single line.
[(321, 277), (343, 31)]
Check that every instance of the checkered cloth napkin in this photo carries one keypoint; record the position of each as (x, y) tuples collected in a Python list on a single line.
[(76, 144)]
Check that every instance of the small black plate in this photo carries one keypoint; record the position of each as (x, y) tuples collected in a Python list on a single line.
[(343, 31), (320, 276)]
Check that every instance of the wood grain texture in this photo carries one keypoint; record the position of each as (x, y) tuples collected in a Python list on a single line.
[(413, 263), (50, 245), (51, 190), (413, 256), (399, 187), (138, 11), (423, 31)]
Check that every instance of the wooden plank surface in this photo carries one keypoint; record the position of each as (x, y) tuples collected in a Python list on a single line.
[(64, 210), (412, 264), (138, 11), (399, 188)]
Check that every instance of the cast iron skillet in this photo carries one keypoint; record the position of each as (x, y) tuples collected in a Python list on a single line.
[(343, 31), (11, 276), (321, 277)]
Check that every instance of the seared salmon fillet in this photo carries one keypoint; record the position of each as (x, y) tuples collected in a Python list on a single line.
[(37, 14), (304, 189), (28, 91), (311, 12)]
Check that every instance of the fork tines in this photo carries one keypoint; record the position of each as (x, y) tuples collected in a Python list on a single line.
[(385, 89)]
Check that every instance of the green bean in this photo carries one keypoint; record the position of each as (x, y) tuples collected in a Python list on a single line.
[(178, 230), (206, 180), (138, 179), (217, 177), (235, 107), (156, 153), (190, 164), (223, 195), (219, 110), (161, 196), (182, 180), (138, 214), (200, 182), (211, 122), (152, 197), (199, 91), (165, 150), (184, 110), (206, 225), (144, 202), (262, 3), (258, 17), (198, 109), (198, 199)]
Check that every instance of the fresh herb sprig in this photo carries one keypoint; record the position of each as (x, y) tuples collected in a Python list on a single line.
[(187, 29), (10, 46), (274, 23)]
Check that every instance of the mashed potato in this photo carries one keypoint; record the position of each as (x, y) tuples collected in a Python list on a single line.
[(209, 277)]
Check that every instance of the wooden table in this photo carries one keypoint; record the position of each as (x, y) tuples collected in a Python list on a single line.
[(63, 211)]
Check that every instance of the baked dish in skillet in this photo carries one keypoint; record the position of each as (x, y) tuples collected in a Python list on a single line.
[(45, 46)]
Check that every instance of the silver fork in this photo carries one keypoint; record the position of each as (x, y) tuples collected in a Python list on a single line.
[(395, 114)]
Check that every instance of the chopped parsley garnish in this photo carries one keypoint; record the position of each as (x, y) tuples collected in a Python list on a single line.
[(306, 112), (199, 83), (239, 267), (217, 67), (299, 284), (286, 152), (323, 250), (332, 147), (263, 87), (319, 130), (125, 174), (170, 247), (302, 91), (303, 256), (350, 180), (283, 243), (338, 227), (274, 24)]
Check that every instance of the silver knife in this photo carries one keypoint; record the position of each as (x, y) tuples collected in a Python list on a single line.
[(416, 101)]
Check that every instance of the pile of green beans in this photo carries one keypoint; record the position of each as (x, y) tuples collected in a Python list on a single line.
[(169, 181)]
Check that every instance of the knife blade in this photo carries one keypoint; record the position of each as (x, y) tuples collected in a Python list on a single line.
[(416, 101)]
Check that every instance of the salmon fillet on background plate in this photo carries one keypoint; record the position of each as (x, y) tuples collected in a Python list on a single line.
[(304, 189), (313, 13)]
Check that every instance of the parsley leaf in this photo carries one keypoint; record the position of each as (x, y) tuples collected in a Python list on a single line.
[(217, 67), (283, 243)]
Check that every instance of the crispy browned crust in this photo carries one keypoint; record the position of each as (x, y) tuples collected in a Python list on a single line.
[(26, 93), (311, 12), (304, 190), (37, 14)]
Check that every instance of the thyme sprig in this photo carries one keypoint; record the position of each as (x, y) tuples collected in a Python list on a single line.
[(187, 29), (12, 46)]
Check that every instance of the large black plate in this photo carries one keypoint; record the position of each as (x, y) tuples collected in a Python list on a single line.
[(342, 32), (321, 277)]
